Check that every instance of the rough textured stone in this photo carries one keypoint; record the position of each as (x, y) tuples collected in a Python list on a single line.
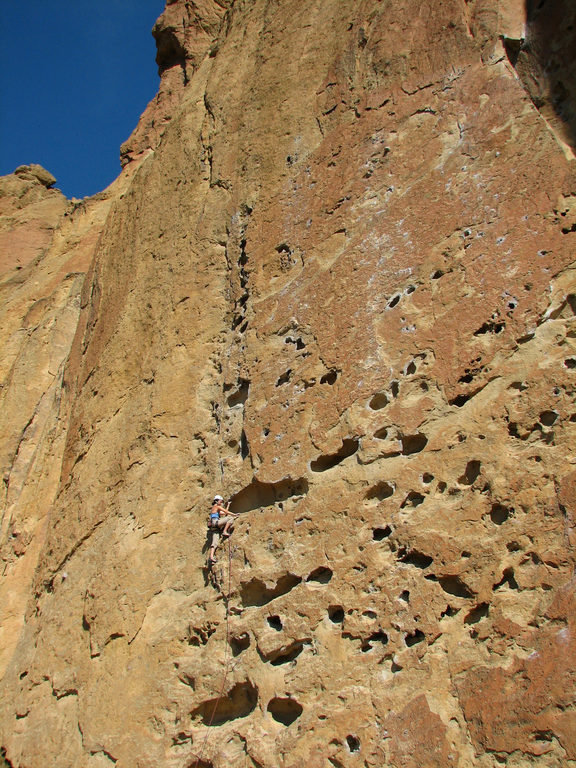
[(544, 59), (35, 172), (335, 283)]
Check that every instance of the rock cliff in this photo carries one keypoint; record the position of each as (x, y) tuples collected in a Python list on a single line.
[(335, 283)]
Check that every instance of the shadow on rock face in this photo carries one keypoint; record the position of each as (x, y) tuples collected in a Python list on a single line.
[(546, 64)]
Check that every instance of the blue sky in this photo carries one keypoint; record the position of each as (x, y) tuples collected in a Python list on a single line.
[(75, 76)]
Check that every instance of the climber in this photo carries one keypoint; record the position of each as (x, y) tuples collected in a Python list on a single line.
[(220, 523)]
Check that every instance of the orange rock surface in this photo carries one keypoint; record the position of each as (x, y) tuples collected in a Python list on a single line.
[(334, 283)]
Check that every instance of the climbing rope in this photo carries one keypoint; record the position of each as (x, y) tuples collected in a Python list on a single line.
[(227, 658)]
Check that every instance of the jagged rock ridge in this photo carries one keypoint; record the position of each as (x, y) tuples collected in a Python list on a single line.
[(335, 283)]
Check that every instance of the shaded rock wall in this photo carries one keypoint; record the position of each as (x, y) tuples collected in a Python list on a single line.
[(544, 60), (335, 283)]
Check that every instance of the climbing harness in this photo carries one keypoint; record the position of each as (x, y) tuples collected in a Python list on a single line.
[(227, 657)]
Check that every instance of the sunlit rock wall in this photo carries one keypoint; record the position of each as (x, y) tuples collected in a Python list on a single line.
[(334, 283)]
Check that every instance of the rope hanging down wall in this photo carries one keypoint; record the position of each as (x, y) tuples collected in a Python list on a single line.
[(227, 659)]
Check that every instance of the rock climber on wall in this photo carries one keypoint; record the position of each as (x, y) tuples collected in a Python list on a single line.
[(220, 523)]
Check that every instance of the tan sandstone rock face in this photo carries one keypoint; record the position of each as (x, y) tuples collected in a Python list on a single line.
[(334, 283)]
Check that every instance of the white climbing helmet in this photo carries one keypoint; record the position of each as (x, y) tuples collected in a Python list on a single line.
[(218, 498)]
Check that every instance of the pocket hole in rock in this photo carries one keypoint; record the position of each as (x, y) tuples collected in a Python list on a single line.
[(353, 743), (379, 401), (410, 368), (410, 289), (414, 637), (413, 443), (240, 643), (393, 301), (470, 473), (378, 534), (286, 655), (284, 711), (436, 275), (238, 320), (257, 494), (418, 559), (499, 514), (244, 448), (414, 499), (336, 614), (381, 491), (513, 430), (427, 478), (200, 763), (255, 591), (454, 585), (275, 622), (394, 388), (476, 614), (570, 362), (285, 378), (405, 596), (321, 575), (547, 418), (330, 377), (376, 637), (508, 579), (325, 462), (239, 702), (240, 395), (299, 344), (490, 327), (460, 400)]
